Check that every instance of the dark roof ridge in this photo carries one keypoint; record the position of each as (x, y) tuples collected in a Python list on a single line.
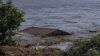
[(38, 28)]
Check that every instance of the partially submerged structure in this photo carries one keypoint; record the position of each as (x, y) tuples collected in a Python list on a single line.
[(43, 32), (34, 35)]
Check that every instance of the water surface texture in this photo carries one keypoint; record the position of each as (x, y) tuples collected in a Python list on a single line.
[(68, 15)]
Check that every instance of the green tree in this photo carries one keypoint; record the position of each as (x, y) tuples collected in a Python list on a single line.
[(10, 19)]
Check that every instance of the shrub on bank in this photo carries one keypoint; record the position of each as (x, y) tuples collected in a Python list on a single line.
[(85, 47)]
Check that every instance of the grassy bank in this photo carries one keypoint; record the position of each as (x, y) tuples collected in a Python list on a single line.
[(19, 51), (81, 47)]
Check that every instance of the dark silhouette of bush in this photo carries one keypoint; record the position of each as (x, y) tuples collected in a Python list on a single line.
[(2, 54)]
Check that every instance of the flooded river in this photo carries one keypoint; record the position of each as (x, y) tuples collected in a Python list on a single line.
[(77, 16)]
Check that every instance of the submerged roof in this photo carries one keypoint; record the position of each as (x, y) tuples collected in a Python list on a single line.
[(44, 31)]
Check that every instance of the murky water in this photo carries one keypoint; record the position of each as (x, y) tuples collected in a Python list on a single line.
[(68, 15)]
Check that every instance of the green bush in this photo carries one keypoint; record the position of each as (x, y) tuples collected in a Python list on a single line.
[(85, 47), (10, 19)]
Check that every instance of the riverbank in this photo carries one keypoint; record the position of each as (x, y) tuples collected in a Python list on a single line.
[(19, 51), (82, 47)]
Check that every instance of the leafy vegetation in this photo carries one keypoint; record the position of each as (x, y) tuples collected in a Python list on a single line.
[(10, 19), (85, 47)]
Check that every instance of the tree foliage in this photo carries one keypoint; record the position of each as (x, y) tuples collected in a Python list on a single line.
[(10, 19)]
